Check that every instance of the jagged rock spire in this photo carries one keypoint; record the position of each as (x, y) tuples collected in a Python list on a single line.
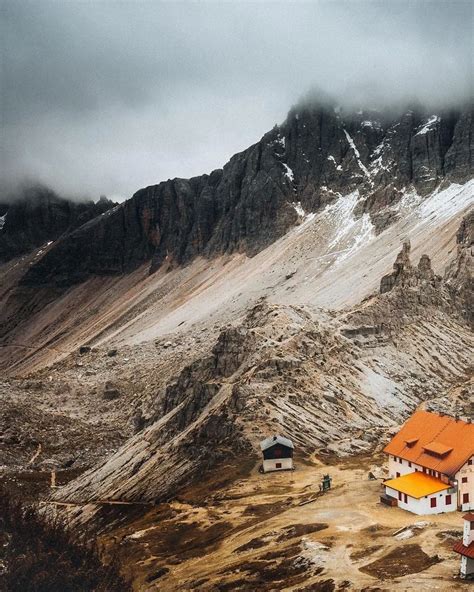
[(404, 274)]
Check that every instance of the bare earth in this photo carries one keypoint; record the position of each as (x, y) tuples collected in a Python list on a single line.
[(255, 535)]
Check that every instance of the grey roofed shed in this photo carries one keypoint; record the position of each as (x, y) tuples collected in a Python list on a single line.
[(272, 440)]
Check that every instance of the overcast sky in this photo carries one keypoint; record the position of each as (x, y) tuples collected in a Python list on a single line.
[(104, 97)]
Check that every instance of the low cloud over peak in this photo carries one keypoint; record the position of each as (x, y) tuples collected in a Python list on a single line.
[(105, 97)]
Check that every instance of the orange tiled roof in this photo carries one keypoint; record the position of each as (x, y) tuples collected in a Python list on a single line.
[(438, 448), (430, 437), (416, 484), (463, 550)]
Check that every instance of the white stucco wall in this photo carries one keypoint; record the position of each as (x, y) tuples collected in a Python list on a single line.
[(422, 506), (466, 471), (403, 467), (468, 534), (467, 566), (270, 464)]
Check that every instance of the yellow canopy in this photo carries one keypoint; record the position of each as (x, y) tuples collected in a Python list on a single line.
[(417, 484)]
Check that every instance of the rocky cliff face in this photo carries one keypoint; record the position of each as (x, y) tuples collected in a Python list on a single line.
[(318, 154), (459, 275), (38, 215)]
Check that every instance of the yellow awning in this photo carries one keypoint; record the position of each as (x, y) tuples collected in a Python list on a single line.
[(417, 484)]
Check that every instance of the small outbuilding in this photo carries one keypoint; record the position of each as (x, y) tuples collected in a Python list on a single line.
[(465, 548), (277, 454)]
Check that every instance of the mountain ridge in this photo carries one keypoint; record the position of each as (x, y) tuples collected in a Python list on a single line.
[(35, 215), (312, 158)]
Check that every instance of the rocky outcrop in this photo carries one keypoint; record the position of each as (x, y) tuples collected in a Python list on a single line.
[(404, 275), (200, 382), (459, 275), (408, 291), (279, 370), (454, 291), (192, 429), (402, 270), (316, 155), (38, 215)]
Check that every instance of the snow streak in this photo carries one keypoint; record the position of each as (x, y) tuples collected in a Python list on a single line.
[(357, 154)]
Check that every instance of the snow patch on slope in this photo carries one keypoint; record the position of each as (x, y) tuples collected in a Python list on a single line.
[(305, 217), (281, 141), (288, 172), (442, 205), (299, 209), (428, 125), (350, 232), (357, 154), (371, 124), (333, 160)]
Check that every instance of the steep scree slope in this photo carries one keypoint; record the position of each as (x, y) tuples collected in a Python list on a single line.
[(333, 383)]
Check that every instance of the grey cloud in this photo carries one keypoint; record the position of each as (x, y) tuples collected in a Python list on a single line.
[(105, 97)]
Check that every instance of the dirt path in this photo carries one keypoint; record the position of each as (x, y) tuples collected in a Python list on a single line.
[(96, 503), (35, 455)]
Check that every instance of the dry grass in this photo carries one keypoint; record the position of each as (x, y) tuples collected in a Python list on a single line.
[(402, 561), (41, 556)]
